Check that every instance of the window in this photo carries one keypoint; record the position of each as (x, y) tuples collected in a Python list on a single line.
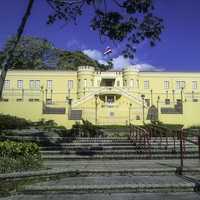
[(7, 84), (70, 84), (92, 83), (20, 84), (118, 83), (180, 84), (166, 85), (146, 84), (34, 84), (194, 85), (49, 84), (132, 83), (37, 84)]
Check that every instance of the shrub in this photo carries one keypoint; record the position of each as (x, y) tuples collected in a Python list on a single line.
[(12, 122), (86, 129), (17, 156)]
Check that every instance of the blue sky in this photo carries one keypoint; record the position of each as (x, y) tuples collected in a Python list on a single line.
[(179, 49)]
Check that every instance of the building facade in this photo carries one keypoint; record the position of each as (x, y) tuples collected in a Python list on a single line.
[(103, 98)]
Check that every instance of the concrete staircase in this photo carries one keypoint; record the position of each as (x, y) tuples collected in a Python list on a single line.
[(113, 168), (117, 149)]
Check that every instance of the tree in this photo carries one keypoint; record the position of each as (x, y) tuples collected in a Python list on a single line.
[(130, 21), (38, 53), (72, 60), (30, 53), (9, 55)]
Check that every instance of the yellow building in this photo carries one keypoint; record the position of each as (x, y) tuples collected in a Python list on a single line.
[(103, 98)]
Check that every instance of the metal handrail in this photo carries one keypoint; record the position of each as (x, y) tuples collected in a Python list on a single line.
[(140, 137)]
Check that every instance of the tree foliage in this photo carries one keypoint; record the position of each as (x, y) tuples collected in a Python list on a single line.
[(128, 21), (38, 53), (72, 60), (29, 53)]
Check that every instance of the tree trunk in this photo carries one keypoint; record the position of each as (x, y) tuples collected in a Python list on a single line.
[(9, 55)]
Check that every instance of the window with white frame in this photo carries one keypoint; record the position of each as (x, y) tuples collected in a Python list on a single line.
[(7, 84), (20, 84), (32, 84), (37, 84), (49, 84), (180, 84), (166, 85), (132, 83), (70, 84), (146, 84), (194, 85)]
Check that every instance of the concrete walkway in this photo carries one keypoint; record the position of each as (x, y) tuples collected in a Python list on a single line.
[(111, 196)]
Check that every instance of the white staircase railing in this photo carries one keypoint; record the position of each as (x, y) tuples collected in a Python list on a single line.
[(118, 90)]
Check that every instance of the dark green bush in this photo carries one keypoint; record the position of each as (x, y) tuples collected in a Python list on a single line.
[(17, 156), (86, 129), (12, 122)]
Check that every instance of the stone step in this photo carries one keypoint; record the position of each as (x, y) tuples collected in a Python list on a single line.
[(114, 184), (74, 148), (116, 152), (110, 196), (118, 157), (116, 144)]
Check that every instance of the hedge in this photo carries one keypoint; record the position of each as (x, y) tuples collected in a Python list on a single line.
[(18, 156)]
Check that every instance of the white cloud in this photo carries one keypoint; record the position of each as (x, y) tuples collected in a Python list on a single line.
[(120, 61), (96, 55), (146, 67)]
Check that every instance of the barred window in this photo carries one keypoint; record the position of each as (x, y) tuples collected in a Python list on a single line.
[(49, 84), (32, 84), (194, 85), (146, 84), (70, 84), (7, 84), (166, 85), (37, 84), (180, 84), (20, 84)]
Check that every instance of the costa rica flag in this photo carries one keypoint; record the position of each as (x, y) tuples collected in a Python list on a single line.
[(108, 50)]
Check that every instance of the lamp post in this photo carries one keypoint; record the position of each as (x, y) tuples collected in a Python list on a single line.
[(182, 95), (151, 97), (182, 100), (130, 105), (158, 106), (69, 108), (143, 96), (173, 95), (96, 98)]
